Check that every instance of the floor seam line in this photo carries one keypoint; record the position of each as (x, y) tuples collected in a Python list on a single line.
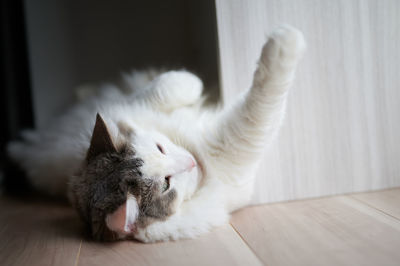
[(247, 244), (78, 254), (375, 208)]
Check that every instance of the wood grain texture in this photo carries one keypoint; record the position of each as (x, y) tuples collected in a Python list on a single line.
[(221, 247), (340, 230), (342, 126), (38, 233), (387, 201), (329, 231)]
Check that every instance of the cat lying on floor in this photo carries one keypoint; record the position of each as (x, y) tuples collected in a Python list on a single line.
[(154, 164)]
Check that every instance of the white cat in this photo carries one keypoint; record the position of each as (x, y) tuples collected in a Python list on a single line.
[(204, 159)]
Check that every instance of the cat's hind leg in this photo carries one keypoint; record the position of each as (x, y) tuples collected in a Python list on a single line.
[(172, 90)]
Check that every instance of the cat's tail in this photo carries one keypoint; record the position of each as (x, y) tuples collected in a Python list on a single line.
[(44, 166), (15, 179), (17, 150), (22, 152)]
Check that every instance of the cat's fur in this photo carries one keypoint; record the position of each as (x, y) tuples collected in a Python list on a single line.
[(160, 129)]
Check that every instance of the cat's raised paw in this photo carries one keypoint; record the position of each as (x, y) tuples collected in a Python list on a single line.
[(285, 44)]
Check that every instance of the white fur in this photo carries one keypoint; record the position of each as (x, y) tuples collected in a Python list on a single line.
[(225, 144)]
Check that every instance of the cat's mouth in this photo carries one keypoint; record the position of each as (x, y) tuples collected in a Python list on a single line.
[(200, 170)]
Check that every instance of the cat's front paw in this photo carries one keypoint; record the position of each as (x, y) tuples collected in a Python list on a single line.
[(142, 236), (285, 46), (155, 232)]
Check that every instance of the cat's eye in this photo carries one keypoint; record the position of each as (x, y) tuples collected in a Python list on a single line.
[(165, 186), (160, 148)]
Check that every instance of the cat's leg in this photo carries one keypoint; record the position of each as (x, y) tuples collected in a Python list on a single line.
[(241, 132), (172, 90), (138, 79)]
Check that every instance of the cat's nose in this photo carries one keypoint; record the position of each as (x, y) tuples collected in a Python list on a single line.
[(183, 164), (192, 164)]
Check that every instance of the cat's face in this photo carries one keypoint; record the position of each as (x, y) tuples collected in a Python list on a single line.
[(121, 188)]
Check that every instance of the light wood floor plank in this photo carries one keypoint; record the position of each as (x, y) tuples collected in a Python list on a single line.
[(220, 247), (329, 231), (332, 231), (387, 201), (37, 233)]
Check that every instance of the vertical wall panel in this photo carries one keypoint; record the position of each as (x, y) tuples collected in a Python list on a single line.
[(342, 128)]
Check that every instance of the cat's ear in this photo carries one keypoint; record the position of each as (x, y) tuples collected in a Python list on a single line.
[(101, 141), (122, 221)]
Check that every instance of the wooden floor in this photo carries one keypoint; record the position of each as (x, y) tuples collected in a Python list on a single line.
[(358, 229)]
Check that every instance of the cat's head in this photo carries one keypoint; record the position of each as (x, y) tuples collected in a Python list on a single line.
[(122, 187)]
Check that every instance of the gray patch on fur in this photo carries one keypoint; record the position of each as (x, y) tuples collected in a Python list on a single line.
[(102, 185)]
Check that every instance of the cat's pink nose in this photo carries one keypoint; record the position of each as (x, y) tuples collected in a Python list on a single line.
[(183, 164), (192, 163)]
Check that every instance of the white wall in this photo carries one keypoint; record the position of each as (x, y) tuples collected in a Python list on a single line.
[(342, 129)]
